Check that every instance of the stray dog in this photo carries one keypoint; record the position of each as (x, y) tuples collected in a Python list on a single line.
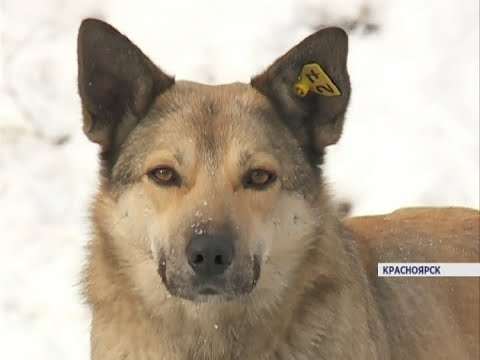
[(214, 236)]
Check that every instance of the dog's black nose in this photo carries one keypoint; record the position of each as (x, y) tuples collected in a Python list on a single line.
[(209, 255)]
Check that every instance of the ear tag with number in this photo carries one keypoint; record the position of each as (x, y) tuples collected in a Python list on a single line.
[(313, 78)]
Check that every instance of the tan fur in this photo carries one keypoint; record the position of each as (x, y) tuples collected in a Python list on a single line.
[(318, 295)]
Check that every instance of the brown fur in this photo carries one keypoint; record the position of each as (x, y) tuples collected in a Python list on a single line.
[(317, 295)]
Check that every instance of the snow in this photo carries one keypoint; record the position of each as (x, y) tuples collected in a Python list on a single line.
[(411, 135)]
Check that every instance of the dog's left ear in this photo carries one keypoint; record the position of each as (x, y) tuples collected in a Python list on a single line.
[(117, 83), (310, 88)]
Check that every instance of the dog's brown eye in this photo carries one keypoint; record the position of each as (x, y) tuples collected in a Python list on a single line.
[(259, 179), (164, 175)]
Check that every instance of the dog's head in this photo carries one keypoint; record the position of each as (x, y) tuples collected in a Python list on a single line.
[(210, 192)]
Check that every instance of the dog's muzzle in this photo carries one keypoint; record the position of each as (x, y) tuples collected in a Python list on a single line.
[(209, 255), (212, 270)]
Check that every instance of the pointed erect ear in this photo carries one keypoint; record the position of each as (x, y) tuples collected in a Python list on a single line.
[(310, 88), (116, 81)]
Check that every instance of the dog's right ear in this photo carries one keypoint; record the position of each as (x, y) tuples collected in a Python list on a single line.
[(310, 88), (116, 81)]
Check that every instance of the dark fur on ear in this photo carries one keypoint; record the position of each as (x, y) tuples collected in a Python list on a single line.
[(116, 81), (316, 120)]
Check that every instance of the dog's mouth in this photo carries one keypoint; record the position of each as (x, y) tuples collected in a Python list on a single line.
[(209, 293), (237, 282), (209, 290)]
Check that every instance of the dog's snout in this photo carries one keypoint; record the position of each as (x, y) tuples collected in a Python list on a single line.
[(209, 255)]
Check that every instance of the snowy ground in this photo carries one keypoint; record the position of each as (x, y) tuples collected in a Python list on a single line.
[(411, 137)]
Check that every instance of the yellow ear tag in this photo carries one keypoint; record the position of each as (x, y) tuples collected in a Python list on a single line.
[(313, 78)]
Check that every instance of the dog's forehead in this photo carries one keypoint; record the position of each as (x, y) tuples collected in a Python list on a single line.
[(213, 114), (217, 101)]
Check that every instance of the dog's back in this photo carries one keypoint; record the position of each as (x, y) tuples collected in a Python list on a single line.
[(435, 318)]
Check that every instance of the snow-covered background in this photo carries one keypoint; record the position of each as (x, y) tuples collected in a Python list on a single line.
[(411, 137)]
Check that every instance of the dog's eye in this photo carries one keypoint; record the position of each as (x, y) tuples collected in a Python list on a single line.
[(258, 179), (164, 175)]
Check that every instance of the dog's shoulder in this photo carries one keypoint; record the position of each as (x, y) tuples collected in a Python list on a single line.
[(429, 234), (426, 305)]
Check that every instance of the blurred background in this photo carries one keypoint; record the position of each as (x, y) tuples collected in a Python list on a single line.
[(411, 135)]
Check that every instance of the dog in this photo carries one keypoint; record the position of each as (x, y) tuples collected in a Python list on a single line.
[(214, 235)]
